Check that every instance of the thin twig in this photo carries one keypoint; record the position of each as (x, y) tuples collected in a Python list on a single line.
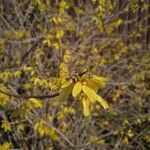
[(66, 139)]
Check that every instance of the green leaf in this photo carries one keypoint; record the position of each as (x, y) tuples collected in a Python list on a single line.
[(76, 89)]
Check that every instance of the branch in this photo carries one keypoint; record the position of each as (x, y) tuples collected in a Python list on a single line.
[(31, 96), (63, 136), (26, 96), (32, 48)]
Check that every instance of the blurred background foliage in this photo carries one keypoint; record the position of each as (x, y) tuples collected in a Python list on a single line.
[(43, 43)]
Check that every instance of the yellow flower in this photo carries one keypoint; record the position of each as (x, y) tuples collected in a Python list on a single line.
[(86, 91)]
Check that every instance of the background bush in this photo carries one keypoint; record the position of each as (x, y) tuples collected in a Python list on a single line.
[(43, 43)]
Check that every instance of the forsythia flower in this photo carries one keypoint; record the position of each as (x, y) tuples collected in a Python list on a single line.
[(86, 91)]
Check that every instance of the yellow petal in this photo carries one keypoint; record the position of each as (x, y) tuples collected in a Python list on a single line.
[(92, 85), (99, 81), (65, 92), (66, 84), (86, 107), (76, 89), (90, 93), (103, 103), (36, 102)]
